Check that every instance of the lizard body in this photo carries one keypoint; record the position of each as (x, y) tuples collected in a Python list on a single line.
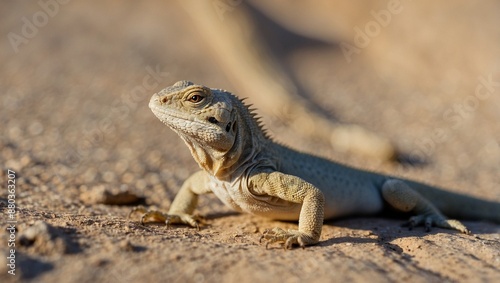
[(251, 173)]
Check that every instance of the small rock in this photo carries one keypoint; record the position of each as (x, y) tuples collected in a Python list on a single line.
[(103, 195)]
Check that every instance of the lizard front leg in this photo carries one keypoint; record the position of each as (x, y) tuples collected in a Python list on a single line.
[(295, 190), (184, 204)]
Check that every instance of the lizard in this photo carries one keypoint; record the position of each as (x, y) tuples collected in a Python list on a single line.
[(250, 172)]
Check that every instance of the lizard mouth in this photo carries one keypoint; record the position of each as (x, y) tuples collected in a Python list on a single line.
[(173, 120), (163, 113), (186, 127)]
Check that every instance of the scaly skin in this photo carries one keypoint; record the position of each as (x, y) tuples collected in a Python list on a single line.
[(251, 173)]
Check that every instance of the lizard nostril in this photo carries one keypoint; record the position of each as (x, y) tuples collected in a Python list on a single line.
[(164, 99)]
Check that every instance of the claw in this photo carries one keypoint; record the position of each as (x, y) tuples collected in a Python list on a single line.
[(408, 224), (428, 224), (411, 225)]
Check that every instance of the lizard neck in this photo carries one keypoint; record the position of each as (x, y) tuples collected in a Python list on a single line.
[(250, 138)]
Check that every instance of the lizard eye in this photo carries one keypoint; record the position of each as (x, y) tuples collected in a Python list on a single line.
[(196, 97)]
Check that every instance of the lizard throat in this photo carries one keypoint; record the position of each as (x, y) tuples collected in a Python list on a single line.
[(223, 164)]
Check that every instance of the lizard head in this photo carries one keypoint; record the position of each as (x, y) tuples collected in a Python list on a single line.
[(208, 120)]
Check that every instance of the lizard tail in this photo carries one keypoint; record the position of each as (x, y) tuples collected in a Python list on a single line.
[(460, 206)]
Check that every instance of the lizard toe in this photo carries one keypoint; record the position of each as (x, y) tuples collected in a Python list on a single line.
[(153, 216), (414, 221), (453, 225), (137, 210), (428, 221), (289, 238), (182, 218)]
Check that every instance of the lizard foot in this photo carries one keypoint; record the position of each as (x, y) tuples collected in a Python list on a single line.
[(436, 220), (154, 216), (289, 238)]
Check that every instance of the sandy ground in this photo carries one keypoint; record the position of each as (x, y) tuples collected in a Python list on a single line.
[(75, 125)]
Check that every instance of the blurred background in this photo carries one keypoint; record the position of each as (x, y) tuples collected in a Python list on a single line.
[(415, 77), (420, 76), (403, 76)]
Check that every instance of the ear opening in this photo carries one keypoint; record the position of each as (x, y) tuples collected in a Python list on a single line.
[(234, 127)]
